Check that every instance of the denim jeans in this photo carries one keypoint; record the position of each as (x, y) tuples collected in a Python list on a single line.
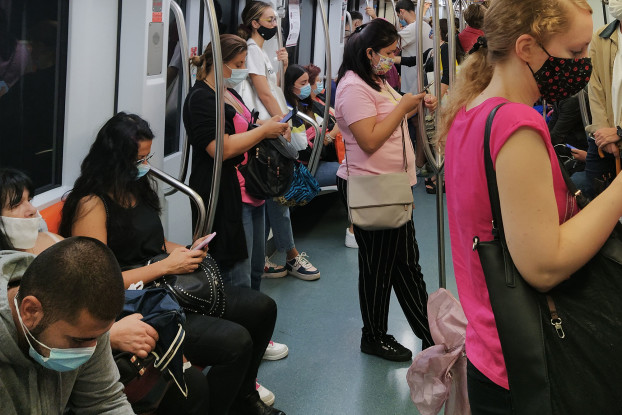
[(247, 273), (277, 217), (326, 173)]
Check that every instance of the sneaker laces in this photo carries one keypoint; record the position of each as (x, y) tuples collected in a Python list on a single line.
[(302, 260), (270, 264)]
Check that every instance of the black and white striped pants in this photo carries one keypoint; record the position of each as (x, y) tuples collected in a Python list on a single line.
[(390, 259)]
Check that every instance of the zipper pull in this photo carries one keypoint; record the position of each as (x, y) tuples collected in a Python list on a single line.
[(557, 323)]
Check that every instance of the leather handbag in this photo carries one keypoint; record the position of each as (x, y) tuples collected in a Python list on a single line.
[(269, 169), (201, 291), (380, 201), (561, 348)]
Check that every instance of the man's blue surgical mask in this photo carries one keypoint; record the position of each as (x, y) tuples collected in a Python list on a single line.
[(305, 91), (403, 22), (60, 360)]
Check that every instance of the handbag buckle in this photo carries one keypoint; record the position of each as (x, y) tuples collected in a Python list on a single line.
[(475, 242), (557, 323)]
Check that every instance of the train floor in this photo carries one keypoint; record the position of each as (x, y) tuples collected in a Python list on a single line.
[(325, 372)]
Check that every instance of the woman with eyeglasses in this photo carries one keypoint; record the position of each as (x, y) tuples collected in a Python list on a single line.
[(114, 201), (372, 118)]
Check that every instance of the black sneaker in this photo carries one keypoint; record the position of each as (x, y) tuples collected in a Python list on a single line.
[(387, 347)]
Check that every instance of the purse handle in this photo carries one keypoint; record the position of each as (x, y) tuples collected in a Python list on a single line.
[(403, 143)]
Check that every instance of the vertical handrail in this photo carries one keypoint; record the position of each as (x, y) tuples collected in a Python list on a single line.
[(604, 10), (396, 19), (185, 84), (462, 8), (280, 13), (314, 161), (451, 41), (194, 197), (436, 159), (583, 97), (219, 85)]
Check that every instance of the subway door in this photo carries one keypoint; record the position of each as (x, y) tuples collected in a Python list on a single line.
[(151, 84)]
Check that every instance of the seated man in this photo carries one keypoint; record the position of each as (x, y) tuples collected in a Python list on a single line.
[(55, 313)]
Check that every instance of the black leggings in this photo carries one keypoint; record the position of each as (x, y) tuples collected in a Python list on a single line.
[(485, 396), (233, 345)]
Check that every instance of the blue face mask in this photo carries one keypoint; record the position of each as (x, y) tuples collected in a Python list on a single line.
[(142, 170), (60, 360), (403, 22), (305, 91), (319, 87), (237, 76)]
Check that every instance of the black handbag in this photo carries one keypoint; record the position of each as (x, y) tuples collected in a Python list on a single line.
[(269, 169), (561, 348), (201, 291)]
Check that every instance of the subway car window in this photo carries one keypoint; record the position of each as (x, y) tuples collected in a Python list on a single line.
[(33, 61), (174, 75)]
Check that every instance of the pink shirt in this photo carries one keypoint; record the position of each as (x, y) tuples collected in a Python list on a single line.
[(356, 101), (469, 214), (241, 125)]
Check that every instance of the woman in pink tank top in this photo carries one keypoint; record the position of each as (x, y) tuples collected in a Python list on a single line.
[(533, 49)]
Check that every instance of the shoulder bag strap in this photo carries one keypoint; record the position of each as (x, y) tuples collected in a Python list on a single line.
[(491, 179)]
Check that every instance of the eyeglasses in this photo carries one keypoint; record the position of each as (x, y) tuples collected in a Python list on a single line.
[(269, 20), (144, 160)]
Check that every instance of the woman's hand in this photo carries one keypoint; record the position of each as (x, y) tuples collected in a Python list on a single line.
[(578, 154), (430, 102), (130, 334), (198, 241), (183, 260), (272, 128), (410, 102), (282, 56), (604, 136), (370, 12)]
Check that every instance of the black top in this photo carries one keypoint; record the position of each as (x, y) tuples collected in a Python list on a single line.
[(229, 246), (136, 235), (566, 125)]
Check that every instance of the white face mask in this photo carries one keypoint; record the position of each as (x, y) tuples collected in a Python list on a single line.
[(615, 8), (22, 232)]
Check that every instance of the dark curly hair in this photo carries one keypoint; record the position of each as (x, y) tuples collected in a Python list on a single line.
[(109, 170)]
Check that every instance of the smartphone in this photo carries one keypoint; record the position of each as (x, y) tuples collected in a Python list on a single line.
[(205, 242), (571, 147), (426, 89), (289, 115)]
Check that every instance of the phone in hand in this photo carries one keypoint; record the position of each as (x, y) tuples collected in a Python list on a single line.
[(289, 115), (426, 88), (571, 147), (205, 241)]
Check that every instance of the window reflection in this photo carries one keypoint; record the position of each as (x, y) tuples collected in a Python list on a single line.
[(30, 84)]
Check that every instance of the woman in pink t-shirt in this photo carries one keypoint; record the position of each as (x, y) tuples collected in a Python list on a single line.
[(372, 119), (533, 49)]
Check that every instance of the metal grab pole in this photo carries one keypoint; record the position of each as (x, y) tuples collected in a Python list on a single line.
[(396, 21), (451, 41), (220, 115), (185, 84), (280, 13), (349, 22), (194, 197), (329, 79), (317, 144), (603, 2)]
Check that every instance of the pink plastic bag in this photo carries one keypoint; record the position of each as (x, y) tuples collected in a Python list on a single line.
[(437, 376)]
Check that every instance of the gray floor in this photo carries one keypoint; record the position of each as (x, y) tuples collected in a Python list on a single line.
[(325, 372)]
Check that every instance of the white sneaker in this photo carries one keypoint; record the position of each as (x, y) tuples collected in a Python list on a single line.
[(266, 396), (272, 270), (350, 240), (300, 267), (275, 351)]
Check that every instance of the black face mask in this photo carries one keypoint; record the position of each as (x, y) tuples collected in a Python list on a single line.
[(266, 33), (560, 78)]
